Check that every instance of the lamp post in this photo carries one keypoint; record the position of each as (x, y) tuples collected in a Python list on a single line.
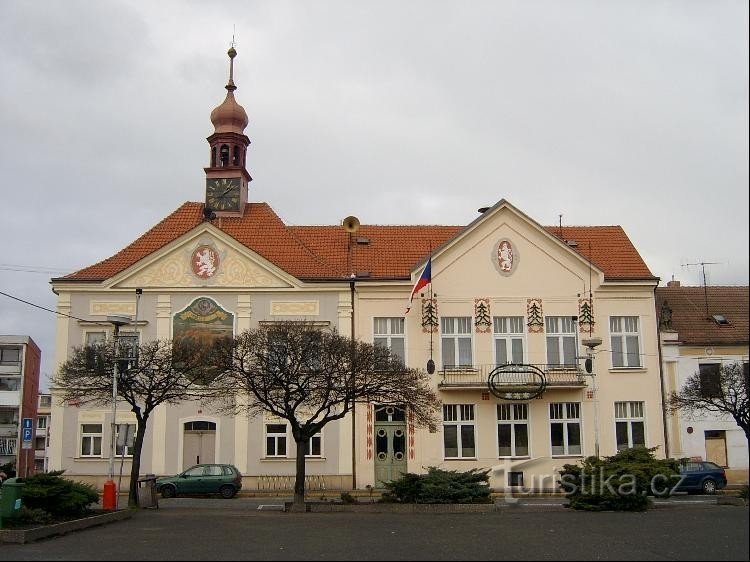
[(591, 344), (352, 279), (109, 497)]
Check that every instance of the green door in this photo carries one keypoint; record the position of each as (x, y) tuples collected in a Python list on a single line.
[(390, 443)]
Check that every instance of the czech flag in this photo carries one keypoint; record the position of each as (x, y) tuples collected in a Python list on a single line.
[(424, 280)]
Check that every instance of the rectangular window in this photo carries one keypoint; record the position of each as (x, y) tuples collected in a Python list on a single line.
[(561, 340), (389, 332), (276, 440), (10, 356), (45, 401), (91, 440), (94, 338), (458, 431), (508, 332), (624, 341), (11, 384), (41, 422), (630, 429), (313, 446), (565, 428), (456, 341), (710, 377), (512, 430)]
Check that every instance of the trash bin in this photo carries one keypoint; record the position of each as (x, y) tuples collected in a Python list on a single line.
[(147, 491), (10, 497)]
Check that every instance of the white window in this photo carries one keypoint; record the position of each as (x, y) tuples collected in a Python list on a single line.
[(389, 332), (41, 422), (458, 431), (561, 340), (125, 433), (630, 426), (565, 428), (456, 341), (313, 446), (94, 338), (624, 341), (508, 331), (91, 440), (276, 440), (512, 430)]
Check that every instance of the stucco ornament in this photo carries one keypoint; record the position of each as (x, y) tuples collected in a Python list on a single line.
[(204, 261), (505, 257)]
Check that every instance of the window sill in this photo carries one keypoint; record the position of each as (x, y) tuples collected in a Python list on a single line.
[(526, 457), (290, 459), (628, 370), (567, 456), (460, 458)]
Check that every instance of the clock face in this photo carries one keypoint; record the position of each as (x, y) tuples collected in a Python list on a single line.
[(223, 194)]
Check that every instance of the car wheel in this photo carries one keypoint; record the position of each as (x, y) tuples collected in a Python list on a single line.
[(168, 491), (709, 486), (227, 492)]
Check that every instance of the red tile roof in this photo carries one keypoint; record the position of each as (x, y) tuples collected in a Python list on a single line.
[(694, 326), (320, 252)]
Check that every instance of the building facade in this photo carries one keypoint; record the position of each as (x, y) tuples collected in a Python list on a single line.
[(41, 438), (701, 329), (20, 361), (504, 289)]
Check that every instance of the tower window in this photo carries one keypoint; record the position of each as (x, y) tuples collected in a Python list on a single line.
[(224, 155), (213, 156), (236, 158)]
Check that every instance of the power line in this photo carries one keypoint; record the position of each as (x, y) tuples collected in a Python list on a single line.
[(32, 268), (50, 310)]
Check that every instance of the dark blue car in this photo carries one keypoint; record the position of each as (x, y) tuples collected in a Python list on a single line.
[(703, 476)]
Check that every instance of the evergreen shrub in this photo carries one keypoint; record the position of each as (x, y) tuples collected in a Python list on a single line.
[(58, 496), (439, 486)]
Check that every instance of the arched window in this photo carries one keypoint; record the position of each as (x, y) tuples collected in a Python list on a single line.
[(213, 156), (224, 155), (236, 159)]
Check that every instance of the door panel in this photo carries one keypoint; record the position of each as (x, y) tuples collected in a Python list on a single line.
[(390, 452), (716, 447)]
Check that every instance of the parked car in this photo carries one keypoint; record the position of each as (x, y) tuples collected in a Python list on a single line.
[(703, 476), (223, 479)]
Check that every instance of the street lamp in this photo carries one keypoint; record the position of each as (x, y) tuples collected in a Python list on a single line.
[(591, 344), (109, 497), (352, 279)]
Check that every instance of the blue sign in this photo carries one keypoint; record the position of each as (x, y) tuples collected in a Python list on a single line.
[(28, 423), (27, 434)]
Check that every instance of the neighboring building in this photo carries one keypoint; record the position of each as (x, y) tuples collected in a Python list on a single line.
[(41, 439), (702, 328), (20, 361), (505, 289)]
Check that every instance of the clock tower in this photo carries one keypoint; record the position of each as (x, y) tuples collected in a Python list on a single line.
[(226, 176)]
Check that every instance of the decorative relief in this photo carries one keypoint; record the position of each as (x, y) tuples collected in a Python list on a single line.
[(111, 308), (585, 315), (295, 308), (370, 408), (204, 261), (505, 257), (410, 432), (429, 315), (535, 316), (482, 318)]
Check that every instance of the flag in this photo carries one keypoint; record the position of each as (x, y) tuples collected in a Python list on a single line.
[(424, 280)]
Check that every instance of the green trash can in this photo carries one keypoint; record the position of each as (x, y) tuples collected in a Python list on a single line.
[(10, 497)]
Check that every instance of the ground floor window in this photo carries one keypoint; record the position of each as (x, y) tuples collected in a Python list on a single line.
[(276, 440), (565, 428), (512, 430), (91, 440), (629, 425), (458, 431), (314, 446)]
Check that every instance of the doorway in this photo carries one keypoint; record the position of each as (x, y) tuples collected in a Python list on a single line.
[(390, 443), (716, 447), (199, 443)]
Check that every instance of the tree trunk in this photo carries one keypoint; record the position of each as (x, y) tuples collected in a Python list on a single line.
[(135, 469), (299, 480)]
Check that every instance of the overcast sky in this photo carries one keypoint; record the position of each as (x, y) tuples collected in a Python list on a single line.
[(398, 112)]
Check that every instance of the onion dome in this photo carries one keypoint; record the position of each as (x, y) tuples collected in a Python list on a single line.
[(230, 117)]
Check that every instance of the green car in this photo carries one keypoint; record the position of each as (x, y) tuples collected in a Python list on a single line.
[(223, 479)]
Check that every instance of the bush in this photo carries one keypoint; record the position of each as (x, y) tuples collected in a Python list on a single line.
[(346, 497), (439, 486), (58, 496), (745, 492), (621, 482), (26, 517)]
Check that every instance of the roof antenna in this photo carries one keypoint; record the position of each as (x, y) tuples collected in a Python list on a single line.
[(561, 236), (703, 265)]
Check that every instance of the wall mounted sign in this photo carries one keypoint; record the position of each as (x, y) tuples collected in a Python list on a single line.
[(204, 261), (517, 382), (505, 257)]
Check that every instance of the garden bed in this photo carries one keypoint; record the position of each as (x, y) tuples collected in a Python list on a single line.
[(24, 535)]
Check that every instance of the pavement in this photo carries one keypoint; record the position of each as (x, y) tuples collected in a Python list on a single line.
[(694, 528)]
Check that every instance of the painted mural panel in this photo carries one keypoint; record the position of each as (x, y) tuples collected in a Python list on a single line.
[(203, 321)]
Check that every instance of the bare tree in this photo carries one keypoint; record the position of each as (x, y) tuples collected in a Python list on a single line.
[(310, 377), (158, 372), (722, 392)]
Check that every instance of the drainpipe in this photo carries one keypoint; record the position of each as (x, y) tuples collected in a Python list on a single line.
[(667, 448)]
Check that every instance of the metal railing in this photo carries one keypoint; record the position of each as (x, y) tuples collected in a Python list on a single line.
[(285, 483), (475, 376)]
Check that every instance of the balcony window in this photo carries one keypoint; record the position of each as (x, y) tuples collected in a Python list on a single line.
[(561, 340), (456, 341), (508, 333)]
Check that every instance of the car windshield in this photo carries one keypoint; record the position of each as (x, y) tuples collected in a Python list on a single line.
[(712, 466)]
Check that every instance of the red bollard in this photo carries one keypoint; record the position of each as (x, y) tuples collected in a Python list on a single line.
[(109, 496)]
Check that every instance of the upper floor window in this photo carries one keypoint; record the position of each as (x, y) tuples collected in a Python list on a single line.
[(561, 340), (710, 377), (389, 332), (10, 356), (45, 401), (624, 341), (456, 341), (41, 422), (508, 332)]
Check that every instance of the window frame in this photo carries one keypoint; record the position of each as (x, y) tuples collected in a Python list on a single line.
[(308, 446), (513, 421), (91, 435), (276, 436), (622, 334), (508, 337), (566, 421), (629, 419), (710, 388), (118, 448), (560, 336), (390, 334), (455, 336), (461, 421)]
